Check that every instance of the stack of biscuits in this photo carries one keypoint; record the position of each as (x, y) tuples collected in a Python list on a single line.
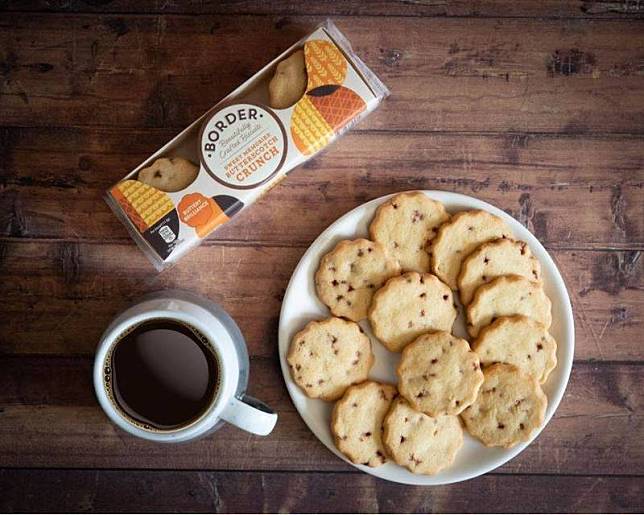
[(403, 280)]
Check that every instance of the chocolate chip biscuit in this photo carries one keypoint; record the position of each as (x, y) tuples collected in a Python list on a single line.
[(405, 224), (356, 422), (169, 174), (439, 374), (328, 356), (509, 408), (408, 306), (519, 341), (350, 274), (459, 237), (423, 444), (505, 296), (493, 259)]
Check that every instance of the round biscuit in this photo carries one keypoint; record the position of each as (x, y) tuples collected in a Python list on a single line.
[(408, 306), (519, 341), (439, 374), (289, 81), (169, 174), (505, 296), (422, 444), (509, 407), (493, 259), (356, 422), (349, 275), (328, 356), (459, 237), (404, 225)]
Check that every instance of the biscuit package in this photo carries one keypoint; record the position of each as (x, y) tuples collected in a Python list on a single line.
[(223, 162)]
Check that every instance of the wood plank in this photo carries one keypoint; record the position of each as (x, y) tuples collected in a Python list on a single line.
[(50, 403), (557, 9), (57, 297), (534, 177), (98, 491), (445, 73)]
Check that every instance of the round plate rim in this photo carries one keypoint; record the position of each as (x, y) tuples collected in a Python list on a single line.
[(566, 315)]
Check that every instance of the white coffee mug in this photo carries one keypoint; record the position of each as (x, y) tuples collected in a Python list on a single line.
[(230, 403)]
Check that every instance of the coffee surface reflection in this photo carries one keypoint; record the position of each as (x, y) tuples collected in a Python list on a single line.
[(163, 374)]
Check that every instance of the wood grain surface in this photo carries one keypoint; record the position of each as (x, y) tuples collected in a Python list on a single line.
[(243, 492), (534, 177), (50, 403), (557, 9), (75, 288), (536, 107), (498, 74)]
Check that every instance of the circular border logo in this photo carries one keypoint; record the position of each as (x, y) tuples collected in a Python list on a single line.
[(207, 126)]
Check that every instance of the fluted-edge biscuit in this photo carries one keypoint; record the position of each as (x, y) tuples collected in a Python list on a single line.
[(328, 356), (459, 237), (350, 274), (405, 224), (422, 444), (408, 306), (356, 422), (505, 296), (493, 259), (519, 341), (439, 374), (509, 408)]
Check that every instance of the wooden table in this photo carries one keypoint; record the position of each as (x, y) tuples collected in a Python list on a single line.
[(537, 107)]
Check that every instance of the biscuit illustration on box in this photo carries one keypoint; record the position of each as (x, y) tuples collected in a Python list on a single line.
[(325, 64), (327, 105), (320, 114), (143, 204)]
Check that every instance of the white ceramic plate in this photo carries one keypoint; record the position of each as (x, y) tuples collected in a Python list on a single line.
[(302, 305)]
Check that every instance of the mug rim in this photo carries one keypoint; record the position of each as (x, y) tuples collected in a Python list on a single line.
[(197, 427), (115, 340)]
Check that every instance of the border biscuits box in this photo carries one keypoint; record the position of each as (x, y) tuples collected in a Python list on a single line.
[(290, 110)]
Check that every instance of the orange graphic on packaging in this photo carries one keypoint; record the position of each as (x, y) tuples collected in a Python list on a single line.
[(320, 114), (309, 129), (339, 106), (325, 64), (143, 204), (200, 212)]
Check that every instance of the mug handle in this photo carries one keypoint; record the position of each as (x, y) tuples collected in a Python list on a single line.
[(250, 415)]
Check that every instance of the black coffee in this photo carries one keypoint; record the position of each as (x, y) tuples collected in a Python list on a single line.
[(163, 374)]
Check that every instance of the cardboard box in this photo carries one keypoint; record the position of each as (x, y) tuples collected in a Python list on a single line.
[(243, 147)]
